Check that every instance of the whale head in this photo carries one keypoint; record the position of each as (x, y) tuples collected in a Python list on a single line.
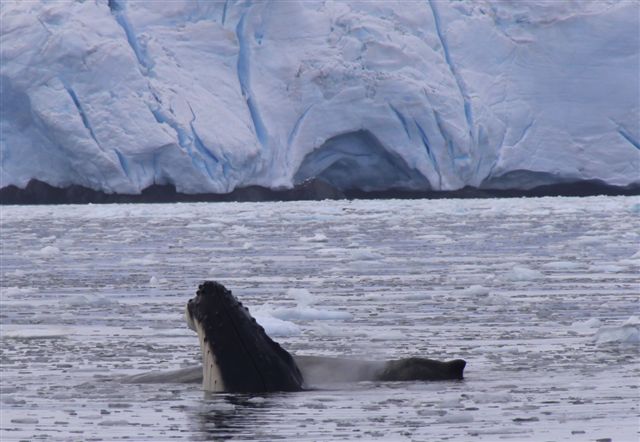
[(237, 354)]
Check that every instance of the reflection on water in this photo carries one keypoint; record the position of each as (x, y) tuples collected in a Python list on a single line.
[(236, 416)]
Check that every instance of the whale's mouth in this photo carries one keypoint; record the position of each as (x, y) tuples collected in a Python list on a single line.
[(189, 319), (238, 356)]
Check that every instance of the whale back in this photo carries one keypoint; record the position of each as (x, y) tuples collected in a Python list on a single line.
[(422, 369)]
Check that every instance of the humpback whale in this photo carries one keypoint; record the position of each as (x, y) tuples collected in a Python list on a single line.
[(239, 356)]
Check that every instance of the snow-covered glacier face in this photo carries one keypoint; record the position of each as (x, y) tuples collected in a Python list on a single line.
[(118, 95)]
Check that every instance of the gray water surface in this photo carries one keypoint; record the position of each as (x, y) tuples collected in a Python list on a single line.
[(538, 295)]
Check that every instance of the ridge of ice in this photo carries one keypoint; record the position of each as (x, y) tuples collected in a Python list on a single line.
[(211, 96), (624, 334)]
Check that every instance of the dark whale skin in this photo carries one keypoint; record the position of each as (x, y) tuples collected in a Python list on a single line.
[(248, 359), (422, 369)]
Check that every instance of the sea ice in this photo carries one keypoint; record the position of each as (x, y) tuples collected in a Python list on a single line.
[(521, 273), (624, 334)]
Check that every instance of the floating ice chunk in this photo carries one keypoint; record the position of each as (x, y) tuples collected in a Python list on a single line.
[(310, 314), (80, 301), (561, 265), (589, 323), (318, 237), (591, 240), (33, 332), (10, 400), (625, 334), (521, 273), (306, 313), (456, 418), (222, 407), (492, 398), (451, 402), (606, 268), (331, 251), (302, 296), (277, 327), (146, 260), (240, 230), (365, 255), (47, 251), (13, 291), (389, 335), (633, 320), (153, 282), (474, 290)]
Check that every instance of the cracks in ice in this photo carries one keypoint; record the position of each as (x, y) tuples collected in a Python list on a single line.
[(400, 117), (524, 134), (447, 140), (427, 146), (197, 141), (83, 115), (244, 78), (186, 140), (445, 49), (43, 128), (626, 135), (123, 162), (191, 143), (117, 8), (224, 11), (296, 126), (525, 131)]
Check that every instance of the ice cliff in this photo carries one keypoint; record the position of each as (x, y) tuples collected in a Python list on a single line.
[(210, 96)]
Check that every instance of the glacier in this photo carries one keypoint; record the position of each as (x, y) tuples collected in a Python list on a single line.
[(120, 95)]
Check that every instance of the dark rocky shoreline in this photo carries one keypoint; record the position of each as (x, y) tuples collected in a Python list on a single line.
[(38, 192)]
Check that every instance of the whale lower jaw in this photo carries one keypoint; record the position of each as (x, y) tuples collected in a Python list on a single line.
[(211, 376)]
